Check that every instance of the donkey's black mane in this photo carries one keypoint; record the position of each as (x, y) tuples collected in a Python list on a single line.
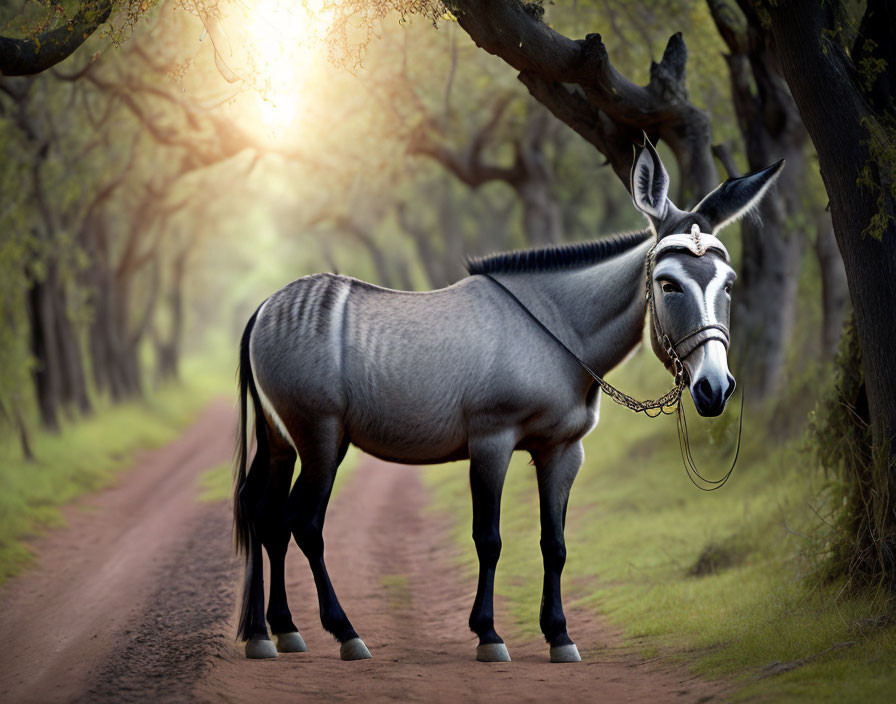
[(566, 256)]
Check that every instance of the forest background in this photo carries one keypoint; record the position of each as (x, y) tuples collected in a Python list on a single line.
[(178, 161)]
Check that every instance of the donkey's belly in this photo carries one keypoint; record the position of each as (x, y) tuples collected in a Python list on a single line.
[(406, 430)]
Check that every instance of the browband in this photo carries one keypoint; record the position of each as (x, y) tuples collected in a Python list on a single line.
[(696, 242)]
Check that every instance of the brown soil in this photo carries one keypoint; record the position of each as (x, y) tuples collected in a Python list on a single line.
[(135, 601)]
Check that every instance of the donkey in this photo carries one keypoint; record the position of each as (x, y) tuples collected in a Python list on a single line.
[(466, 373)]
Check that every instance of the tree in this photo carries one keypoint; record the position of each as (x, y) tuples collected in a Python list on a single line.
[(575, 80), (37, 53), (529, 173), (58, 373), (772, 243), (842, 75)]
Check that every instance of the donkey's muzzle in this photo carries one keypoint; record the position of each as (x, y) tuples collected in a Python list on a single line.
[(710, 396)]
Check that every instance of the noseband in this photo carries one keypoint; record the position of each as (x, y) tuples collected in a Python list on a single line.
[(697, 243)]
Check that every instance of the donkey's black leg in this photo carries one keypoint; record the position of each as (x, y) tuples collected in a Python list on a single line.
[(321, 454), (488, 466), (556, 472), (275, 537), (252, 496)]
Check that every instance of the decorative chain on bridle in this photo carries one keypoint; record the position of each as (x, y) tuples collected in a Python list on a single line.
[(669, 402)]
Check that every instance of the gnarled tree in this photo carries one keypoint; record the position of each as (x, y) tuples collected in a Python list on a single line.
[(843, 82), (577, 82)]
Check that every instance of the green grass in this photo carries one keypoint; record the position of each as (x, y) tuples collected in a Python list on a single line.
[(88, 454), (637, 528), (216, 483)]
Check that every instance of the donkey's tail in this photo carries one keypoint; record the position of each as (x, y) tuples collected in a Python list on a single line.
[(244, 536), (241, 526)]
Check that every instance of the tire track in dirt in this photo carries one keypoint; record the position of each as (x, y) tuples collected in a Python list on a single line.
[(136, 602)]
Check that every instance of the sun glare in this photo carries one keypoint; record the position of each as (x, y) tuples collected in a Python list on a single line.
[(287, 41)]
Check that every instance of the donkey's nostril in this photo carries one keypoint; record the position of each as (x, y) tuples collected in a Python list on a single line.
[(703, 393), (730, 388)]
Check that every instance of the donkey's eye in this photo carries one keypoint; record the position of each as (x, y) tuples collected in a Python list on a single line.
[(670, 286), (728, 287)]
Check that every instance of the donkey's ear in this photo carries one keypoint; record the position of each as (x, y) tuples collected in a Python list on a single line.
[(650, 182), (737, 196)]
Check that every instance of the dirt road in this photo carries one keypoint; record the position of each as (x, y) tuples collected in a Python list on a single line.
[(135, 601)]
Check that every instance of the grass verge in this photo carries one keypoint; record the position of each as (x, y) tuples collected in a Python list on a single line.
[(88, 454), (716, 580)]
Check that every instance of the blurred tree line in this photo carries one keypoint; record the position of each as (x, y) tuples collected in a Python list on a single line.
[(140, 196)]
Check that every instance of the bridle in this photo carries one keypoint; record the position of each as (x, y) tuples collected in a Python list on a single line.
[(697, 243)]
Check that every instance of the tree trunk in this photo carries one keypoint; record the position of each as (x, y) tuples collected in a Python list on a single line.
[(59, 370), (423, 241), (542, 224), (380, 264), (763, 310), (168, 351), (850, 120), (74, 382), (855, 144), (24, 434), (452, 233), (47, 369), (108, 328), (834, 289)]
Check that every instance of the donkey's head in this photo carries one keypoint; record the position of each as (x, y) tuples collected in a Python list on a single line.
[(690, 275)]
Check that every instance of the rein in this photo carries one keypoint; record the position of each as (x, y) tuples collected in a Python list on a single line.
[(669, 402), (665, 404)]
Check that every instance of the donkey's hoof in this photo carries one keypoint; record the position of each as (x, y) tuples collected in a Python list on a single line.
[(290, 642), (492, 652), (354, 649), (260, 649), (565, 653)]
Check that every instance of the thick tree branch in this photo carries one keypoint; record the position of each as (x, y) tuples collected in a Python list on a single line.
[(23, 57), (577, 82)]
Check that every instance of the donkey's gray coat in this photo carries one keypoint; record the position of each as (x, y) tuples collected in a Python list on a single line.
[(463, 372), (417, 377)]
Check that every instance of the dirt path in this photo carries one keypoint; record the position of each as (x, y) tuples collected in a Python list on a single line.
[(134, 601)]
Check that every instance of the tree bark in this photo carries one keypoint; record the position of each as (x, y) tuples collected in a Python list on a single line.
[(855, 143), (22, 57), (834, 288), (575, 80), (848, 111)]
